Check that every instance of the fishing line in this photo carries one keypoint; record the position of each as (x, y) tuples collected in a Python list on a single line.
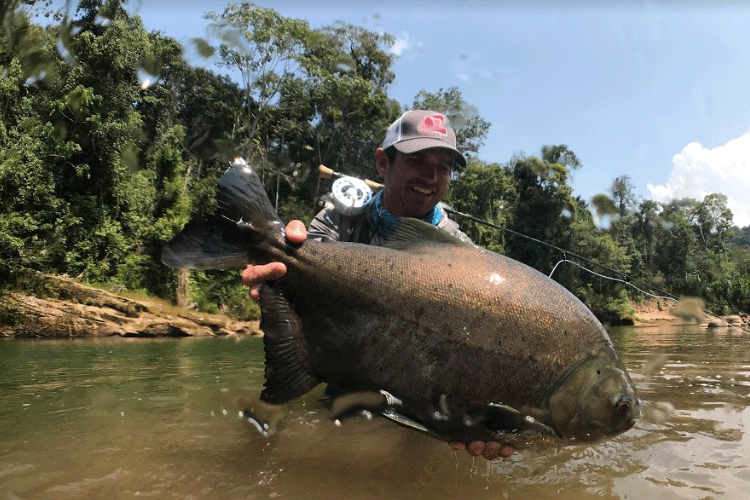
[(626, 281), (564, 252), (325, 172), (612, 279)]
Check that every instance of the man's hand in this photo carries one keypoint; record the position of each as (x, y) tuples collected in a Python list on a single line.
[(254, 276), (489, 450)]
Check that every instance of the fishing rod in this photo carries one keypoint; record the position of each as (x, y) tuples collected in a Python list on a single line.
[(327, 173), (350, 193)]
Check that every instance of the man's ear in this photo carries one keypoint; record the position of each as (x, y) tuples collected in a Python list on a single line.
[(381, 161)]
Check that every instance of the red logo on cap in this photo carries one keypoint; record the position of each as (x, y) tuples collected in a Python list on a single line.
[(433, 123)]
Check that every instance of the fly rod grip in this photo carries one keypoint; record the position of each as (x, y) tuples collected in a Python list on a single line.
[(374, 185), (325, 172)]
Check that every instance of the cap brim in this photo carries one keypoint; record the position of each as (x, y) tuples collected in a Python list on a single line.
[(414, 145)]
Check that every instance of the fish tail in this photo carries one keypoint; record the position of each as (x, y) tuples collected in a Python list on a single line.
[(242, 199), (236, 235)]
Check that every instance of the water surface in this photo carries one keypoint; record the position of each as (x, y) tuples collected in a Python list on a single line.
[(161, 419)]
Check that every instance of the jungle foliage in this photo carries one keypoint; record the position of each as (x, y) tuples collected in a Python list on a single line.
[(110, 142)]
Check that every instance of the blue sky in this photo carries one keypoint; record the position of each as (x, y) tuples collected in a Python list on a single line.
[(656, 91)]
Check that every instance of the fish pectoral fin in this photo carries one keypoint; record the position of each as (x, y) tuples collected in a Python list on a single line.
[(406, 422), (504, 418), (265, 418), (287, 376)]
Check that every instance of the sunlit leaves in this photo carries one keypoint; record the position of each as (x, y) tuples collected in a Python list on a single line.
[(561, 154), (263, 47), (129, 155)]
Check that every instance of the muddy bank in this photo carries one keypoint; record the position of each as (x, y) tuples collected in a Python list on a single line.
[(687, 311), (59, 307)]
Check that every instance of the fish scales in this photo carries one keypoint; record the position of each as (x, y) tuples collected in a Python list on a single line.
[(458, 321), (474, 345)]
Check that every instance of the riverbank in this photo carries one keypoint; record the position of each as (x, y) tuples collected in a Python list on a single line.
[(654, 311), (687, 311), (60, 307)]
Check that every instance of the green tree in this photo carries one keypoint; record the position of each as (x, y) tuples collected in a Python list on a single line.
[(623, 194), (484, 191), (712, 221), (675, 245), (543, 209), (562, 155), (646, 229), (741, 237), (337, 113), (349, 72), (264, 48)]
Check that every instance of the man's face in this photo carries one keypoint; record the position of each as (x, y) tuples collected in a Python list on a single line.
[(415, 182)]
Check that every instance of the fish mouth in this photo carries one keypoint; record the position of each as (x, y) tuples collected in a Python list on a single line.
[(593, 399), (629, 409), (584, 427)]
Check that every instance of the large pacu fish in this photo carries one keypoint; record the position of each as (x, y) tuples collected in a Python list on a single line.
[(462, 343)]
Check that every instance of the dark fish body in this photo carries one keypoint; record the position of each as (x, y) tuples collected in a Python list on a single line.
[(474, 345)]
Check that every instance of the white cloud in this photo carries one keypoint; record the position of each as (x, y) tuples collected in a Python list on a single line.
[(699, 171)]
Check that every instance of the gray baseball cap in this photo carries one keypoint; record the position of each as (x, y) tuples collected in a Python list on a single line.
[(422, 129)]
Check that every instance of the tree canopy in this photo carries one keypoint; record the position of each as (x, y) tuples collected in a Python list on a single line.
[(110, 142)]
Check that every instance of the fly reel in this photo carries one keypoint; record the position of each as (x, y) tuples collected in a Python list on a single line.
[(350, 195)]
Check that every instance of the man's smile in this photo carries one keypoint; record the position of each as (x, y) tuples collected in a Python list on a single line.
[(423, 190)]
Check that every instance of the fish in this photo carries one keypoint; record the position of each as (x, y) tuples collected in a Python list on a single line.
[(454, 340)]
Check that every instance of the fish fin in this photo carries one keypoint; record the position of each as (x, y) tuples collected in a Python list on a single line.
[(504, 418), (411, 233), (232, 237), (207, 243), (265, 418), (407, 422), (258, 423), (241, 197), (287, 377)]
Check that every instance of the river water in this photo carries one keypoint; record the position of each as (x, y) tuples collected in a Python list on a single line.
[(161, 419)]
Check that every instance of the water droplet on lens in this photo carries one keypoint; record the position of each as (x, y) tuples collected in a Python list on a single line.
[(148, 71)]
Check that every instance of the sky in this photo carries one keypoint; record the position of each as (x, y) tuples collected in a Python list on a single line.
[(657, 91)]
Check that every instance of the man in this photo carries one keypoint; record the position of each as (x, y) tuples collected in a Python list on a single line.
[(416, 160)]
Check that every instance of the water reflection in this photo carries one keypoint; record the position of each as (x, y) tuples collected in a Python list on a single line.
[(127, 418)]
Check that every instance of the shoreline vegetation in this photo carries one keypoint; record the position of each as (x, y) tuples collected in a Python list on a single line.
[(58, 307)]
